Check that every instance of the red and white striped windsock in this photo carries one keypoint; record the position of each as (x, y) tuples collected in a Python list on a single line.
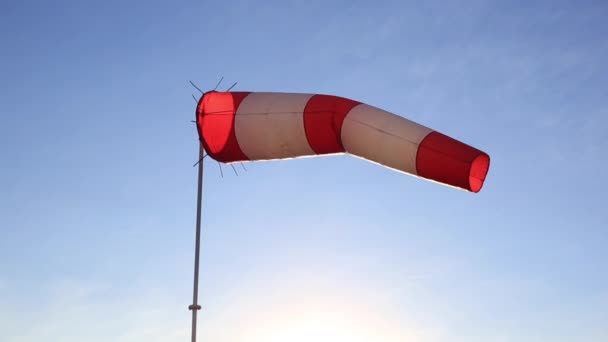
[(252, 126)]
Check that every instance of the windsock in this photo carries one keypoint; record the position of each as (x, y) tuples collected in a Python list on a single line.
[(256, 126)]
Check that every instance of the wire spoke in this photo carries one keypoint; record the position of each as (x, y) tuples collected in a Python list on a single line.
[(218, 83), (197, 88), (232, 86)]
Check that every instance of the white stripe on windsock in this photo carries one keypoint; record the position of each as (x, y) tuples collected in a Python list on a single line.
[(382, 137), (271, 126)]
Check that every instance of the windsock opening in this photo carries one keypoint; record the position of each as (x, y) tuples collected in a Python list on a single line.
[(215, 123), (447, 160)]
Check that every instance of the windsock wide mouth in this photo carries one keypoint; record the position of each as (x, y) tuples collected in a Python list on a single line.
[(449, 161)]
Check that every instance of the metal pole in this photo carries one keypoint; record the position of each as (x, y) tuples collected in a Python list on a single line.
[(195, 307)]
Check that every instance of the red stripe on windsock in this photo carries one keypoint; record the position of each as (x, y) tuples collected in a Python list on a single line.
[(215, 121), (323, 117), (452, 162)]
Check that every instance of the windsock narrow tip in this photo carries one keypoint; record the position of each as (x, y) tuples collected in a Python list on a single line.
[(449, 161), (479, 169)]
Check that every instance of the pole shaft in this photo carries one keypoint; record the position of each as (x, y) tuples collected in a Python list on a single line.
[(195, 307)]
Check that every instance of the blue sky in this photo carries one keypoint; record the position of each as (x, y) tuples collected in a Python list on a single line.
[(98, 191)]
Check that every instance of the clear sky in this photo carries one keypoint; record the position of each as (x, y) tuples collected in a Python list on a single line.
[(98, 192)]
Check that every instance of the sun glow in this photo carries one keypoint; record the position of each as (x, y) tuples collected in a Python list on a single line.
[(318, 329), (323, 323), (311, 308)]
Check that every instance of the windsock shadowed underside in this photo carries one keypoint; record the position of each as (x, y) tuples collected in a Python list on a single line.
[(255, 126)]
